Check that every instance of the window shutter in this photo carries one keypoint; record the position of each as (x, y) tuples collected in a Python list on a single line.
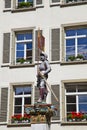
[(55, 45), (55, 1), (36, 93), (6, 47), (55, 88), (14, 4), (3, 104), (37, 51), (7, 3), (39, 2)]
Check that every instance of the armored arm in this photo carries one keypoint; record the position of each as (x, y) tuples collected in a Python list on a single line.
[(48, 67)]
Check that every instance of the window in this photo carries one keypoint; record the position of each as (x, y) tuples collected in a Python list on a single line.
[(22, 97), (74, 1), (25, 3), (76, 42), (54, 2), (24, 43), (20, 5), (76, 98)]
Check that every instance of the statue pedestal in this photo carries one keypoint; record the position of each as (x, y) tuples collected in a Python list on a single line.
[(40, 116), (39, 127)]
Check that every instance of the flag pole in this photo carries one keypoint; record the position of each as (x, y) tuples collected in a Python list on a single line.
[(49, 86)]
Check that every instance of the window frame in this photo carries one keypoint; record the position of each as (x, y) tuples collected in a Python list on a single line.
[(66, 27), (23, 96), (72, 3), (54, 3), (15, 7), (64, 111), (11, 97), (13, 46)]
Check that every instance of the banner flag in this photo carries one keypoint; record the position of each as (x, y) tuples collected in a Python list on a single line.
[(41, 41)]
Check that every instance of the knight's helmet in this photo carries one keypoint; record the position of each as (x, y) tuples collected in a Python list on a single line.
[(44, 55)]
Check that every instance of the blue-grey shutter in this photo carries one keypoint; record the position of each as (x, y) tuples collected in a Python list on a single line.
[(6, 47), (39, 2), (55, 1), (36, 94), (3, 104), (37, 51), (55, 103), (55, 44), (7, 3)]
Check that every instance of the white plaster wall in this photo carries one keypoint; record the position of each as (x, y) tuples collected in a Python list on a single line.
[(45, 18)]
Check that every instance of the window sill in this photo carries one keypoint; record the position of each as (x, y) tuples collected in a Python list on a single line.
[(74, 123), (55, 4), (73, 62), (18, 124), (23, 9), (21, 65), (73, 4)]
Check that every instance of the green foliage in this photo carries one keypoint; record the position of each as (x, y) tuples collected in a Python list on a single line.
[(25, 4), (80, 56), (21, 60), (72, 58)]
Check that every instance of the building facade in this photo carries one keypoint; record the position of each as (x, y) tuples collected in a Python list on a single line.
[(63, 23)]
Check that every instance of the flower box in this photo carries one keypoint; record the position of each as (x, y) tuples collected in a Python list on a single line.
[(76, 117), (20, 119)]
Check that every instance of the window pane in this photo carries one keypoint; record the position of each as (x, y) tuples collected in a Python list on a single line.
[(71, 88), (70, 32), (18, 91), (71, 108), (20, 50), (83, 108), (24, 45), (70, 47), (20, 36), (18, 101), (71, 99), (20, 46), (27, 100), (29, 45), (82, 31), (21, 0), (19, 54), (18, 109), (27, 90), (82, 88), (28, 36), (28, 53), (83, 99), (82, 46), (29, 0)]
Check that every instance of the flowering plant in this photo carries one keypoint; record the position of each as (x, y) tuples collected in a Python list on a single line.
[(76, 116), (20, 117)]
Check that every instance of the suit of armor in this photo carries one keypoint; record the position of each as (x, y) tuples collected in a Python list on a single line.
[(44, 68)]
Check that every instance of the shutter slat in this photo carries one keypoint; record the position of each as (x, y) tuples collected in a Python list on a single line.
[(7, 3), (36, 46), (39, 2), (4, 103), (55, 46), (36, 93), (6, 47), (55, 1), (55, 88)]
